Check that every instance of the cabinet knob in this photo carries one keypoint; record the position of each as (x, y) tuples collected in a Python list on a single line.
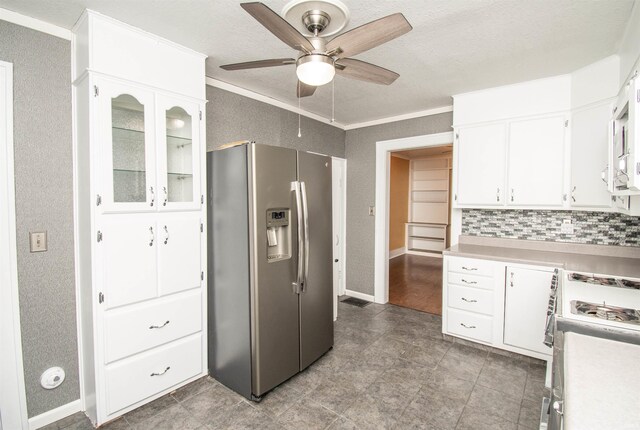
[(166, 235), (166, 196), (152, 236)]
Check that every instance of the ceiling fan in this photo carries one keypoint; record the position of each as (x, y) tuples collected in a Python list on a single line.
[(320, 59)]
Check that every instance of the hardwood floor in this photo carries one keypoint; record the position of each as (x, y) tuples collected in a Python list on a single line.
[(415, 282)]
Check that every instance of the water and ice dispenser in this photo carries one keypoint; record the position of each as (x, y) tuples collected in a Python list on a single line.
[(278, 235)]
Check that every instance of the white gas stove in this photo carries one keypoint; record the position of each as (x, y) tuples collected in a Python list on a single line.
[(600, 299)]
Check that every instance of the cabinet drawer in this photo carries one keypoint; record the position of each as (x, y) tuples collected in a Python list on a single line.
[(483, 282), (470, 266), (139, 377), (138, 328), (471, 325), (470, 299), (426, 244), (427, 231)]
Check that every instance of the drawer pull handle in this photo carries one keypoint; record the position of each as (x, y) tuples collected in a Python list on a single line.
[(468, 282), (151, 327), (467, 326), (471, 269), (161, 373), (469, 301)]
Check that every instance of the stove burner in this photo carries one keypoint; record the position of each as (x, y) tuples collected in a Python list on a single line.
[(605, 312), (592, 279), (628, 283)]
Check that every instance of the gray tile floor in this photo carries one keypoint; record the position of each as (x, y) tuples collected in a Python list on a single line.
[(390, 368)]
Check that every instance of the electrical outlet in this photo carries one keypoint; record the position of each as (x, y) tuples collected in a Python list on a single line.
[(566, 227), (372, 210), (38, 241)]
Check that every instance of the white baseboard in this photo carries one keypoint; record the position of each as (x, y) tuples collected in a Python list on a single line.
[(397, 252), (54, 415), (357, 295)]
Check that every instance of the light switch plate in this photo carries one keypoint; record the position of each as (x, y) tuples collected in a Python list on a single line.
[(38, 241)]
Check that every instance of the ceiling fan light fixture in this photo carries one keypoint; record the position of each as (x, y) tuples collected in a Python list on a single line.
[(315, 69)]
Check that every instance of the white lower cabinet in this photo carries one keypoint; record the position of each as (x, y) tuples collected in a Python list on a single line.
[(469, 324), (137, 328), (502, 306), (143, 375), (526, 299), (129, 248), (470, 299)]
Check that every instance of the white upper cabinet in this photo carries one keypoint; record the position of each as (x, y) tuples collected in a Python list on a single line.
[(589, 157), (536, 162), (127, 147), (179, 153), (481, 165), (151, 146)]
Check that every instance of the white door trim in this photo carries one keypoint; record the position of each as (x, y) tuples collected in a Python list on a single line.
[(12, 391), (381, 258), (339, 285)]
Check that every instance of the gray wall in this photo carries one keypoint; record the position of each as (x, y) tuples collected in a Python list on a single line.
[(361, 159), (44, 201), (231, 117)]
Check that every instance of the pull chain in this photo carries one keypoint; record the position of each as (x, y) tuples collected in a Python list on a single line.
[(299, 133), (333, 100)]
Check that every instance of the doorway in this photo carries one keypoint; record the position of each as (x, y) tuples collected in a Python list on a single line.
[(384, 150), (13, 407), (419, 224)]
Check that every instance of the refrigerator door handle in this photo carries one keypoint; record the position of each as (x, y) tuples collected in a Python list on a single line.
[(305, 212), (297, 285)]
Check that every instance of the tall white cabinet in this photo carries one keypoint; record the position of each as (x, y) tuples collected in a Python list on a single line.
[(139, 179)]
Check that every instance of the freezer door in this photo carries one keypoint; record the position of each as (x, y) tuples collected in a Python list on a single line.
[(316, 299), (274, 303)]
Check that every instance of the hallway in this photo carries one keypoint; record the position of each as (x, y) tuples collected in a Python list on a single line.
[(415, 282)]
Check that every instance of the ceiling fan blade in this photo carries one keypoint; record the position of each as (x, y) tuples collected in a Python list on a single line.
[(278, 26), (304, 90), (259, 63), (369, 35), (356, 69)]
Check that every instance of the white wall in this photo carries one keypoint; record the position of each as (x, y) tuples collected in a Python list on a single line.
[(595, 82)]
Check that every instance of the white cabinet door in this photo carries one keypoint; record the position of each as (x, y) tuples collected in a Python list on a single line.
[(126, 135), (178, 153), (536, 162), (481, 165), (526, 299), (179, 265), (589, 157), (129, 259)]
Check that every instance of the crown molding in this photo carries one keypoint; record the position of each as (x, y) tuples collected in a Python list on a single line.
[(412, 115), (269, 100), (34, 24)]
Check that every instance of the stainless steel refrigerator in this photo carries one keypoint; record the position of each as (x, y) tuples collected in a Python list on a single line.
[(270, 289)]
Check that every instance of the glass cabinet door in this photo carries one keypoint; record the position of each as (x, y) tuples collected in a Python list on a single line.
[(128, 153), (178, 154)]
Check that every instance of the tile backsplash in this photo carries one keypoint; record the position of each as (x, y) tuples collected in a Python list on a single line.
[(597, 228)]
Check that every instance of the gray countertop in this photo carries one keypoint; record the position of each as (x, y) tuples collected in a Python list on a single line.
[(613, 261)]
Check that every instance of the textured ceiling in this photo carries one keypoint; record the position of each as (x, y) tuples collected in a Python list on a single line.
[(455, 45)]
